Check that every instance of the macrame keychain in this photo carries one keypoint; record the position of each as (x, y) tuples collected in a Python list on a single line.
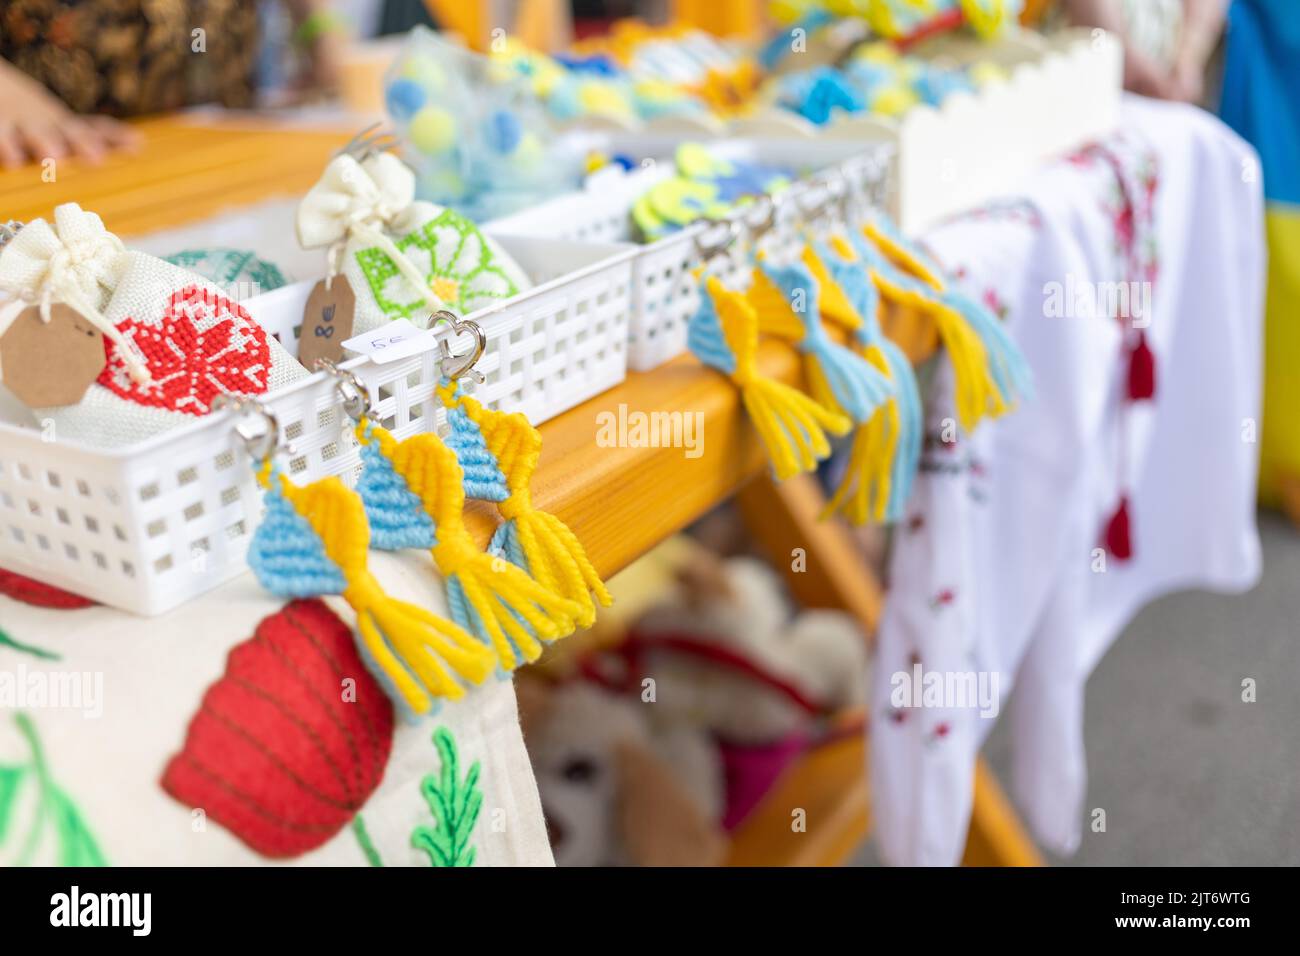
[(498, 453), (989, 372), (723, 334), (413, 494), (885, 454), (314, 541), (1005, 361), (787, 300)]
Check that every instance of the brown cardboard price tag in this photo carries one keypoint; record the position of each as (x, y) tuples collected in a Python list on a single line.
[(326, 322), (46, 364)]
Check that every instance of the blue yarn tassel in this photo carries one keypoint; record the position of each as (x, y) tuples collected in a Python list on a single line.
[(287, 555), (855, 281), (397, 517), (1007, 363), (858, 387), (705, 339)]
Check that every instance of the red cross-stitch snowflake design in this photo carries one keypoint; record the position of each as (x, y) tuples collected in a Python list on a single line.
[(204, 345)]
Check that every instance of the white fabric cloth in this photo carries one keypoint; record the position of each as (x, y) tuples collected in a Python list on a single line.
[(153, 675), (997, 570)]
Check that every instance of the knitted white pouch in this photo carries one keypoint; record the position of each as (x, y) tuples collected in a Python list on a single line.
[(196, 343), (403, 258)]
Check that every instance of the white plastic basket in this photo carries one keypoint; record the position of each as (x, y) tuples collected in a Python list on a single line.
[(665, 292), (1061, 91), (147, 527)]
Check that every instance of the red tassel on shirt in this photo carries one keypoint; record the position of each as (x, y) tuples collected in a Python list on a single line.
[(1119, 539), (1141, 370)]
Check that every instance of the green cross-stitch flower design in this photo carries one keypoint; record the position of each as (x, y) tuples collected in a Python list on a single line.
[(455, 259)]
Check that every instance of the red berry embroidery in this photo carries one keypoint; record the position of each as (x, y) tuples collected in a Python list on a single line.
[(205, 345), (943, 599)]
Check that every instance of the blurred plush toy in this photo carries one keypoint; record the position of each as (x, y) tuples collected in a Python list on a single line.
[(713, 693), (613, 792)]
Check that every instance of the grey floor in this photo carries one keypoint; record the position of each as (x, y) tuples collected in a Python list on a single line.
[(1187, 772)]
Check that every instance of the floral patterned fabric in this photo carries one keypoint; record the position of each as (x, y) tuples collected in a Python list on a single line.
[(129, 57), (238, 730)]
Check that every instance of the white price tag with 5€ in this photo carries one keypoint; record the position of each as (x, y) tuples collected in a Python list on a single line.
[(391, 342)]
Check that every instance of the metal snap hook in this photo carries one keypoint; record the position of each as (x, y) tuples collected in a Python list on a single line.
[(456, 367), (356, 398), (257, 426), (8, 230), (709, 250), (760, 226)]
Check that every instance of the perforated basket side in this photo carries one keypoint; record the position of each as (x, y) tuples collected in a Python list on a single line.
[(66, 517)]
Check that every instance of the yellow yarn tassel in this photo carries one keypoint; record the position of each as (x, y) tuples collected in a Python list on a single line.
[(834, 304), (976, 393), (863, 494), (499, 593), (555, 556), (902, 257), (776, 317), (427, 653), (791, 425)]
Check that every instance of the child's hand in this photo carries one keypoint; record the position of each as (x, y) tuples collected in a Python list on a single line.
[(36, 125)]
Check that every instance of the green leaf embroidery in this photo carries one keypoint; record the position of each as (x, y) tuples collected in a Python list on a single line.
[(472, 285), (10, 778), (76, 844), (363, 840), (42, 653), (455, 806)]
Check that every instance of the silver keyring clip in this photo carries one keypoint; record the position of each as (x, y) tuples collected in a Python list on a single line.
[(760, 226), (456, 367), (709, 250), (256, 425), (356, 399), (832, 188), (812, 212)]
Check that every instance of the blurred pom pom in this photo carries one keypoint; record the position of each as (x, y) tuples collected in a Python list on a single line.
[(432, 130), (502, 132), (424, 73), (404, 98)]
